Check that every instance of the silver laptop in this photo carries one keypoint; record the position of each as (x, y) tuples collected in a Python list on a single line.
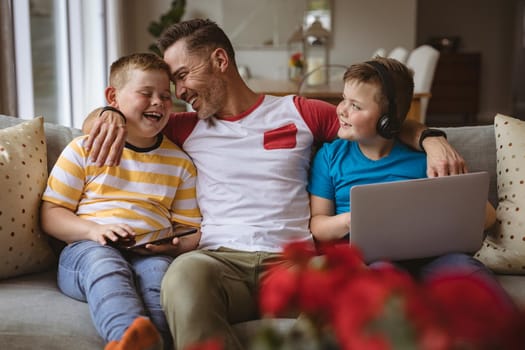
[(419, 218)]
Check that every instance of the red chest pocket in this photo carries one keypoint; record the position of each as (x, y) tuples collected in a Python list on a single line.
[(283, 137)]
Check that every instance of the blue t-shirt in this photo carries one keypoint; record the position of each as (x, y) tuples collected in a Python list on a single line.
[(339, 165)]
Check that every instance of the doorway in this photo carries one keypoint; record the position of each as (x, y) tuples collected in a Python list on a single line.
[(518, 83)]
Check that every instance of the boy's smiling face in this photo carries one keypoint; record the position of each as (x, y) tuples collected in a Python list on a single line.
[(146, 101), (359, 111)]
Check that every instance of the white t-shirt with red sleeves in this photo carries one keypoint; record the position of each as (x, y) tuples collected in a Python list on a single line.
[(252, 170)]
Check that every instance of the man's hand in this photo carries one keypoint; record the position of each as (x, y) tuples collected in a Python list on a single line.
[(442, 159), (107, 138), (172, 248), (177, 246)]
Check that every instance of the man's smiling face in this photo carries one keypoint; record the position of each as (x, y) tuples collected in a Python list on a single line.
[(196, 80)]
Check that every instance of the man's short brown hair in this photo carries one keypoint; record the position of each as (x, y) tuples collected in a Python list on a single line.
[(200, 35)]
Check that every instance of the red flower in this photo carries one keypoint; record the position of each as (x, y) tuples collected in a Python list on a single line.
[(299, 253), (362, 301), (316, 292), (425, 317), (475, 313), (324, 276), (297, 56), (309, 284), (342, 256), (212, 344), (358, 302), (296, 60), (434, 338), (382, 308), (366, 341), (278, 288)]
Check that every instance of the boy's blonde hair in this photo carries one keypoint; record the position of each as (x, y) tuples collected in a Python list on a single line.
[(120, 69), (402, 81)]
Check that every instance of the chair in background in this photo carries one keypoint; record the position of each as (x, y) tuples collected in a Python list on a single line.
[(399, 53), (379, 52), (423, 61)]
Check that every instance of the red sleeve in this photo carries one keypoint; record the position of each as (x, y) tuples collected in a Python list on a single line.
[(180, 126), (320, 116)]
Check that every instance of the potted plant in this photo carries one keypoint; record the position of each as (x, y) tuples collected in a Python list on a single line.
[(156, 28), (173, 15)]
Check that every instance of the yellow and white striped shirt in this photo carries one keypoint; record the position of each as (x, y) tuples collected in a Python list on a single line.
[(150, 189)]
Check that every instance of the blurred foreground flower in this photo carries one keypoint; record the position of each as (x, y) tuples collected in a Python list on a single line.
[(345, 305), (212, 344)]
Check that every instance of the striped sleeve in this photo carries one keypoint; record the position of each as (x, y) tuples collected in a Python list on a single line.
[(184, 207), (66, 180)]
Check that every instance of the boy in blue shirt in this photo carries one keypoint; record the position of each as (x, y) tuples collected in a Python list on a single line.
[(376, 99)]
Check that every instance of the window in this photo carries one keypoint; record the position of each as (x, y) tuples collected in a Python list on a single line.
[(61, 57)]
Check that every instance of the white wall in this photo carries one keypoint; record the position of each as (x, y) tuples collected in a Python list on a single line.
[(359, 27), (139, 14)]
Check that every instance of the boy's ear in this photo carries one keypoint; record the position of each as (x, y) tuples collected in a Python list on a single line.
[(111, 96), (220, 59)]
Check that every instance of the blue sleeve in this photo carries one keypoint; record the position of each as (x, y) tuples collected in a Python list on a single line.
[(320, 183)]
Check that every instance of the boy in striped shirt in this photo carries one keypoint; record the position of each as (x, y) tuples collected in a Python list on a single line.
[(88, 207)]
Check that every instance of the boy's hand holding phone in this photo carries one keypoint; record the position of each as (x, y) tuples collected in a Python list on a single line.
[(163, 241), (111, 234)]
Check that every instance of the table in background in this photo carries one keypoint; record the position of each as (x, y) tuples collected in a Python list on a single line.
[(331, 92)]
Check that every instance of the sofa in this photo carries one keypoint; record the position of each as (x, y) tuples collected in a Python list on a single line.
[(35, 314)]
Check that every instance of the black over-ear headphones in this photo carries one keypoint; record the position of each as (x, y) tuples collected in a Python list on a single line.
[(388, 124)]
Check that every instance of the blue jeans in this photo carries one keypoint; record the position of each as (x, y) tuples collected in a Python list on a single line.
[(426, 268), (118, 287)]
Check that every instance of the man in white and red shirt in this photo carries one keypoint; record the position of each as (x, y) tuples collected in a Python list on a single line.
[(252, 153), (253, 168)]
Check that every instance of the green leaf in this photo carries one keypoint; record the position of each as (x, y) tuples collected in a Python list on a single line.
[(172, 16), (394, 325)]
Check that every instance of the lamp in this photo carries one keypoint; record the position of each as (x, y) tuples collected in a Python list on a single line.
[(316, 52), (295, 46)]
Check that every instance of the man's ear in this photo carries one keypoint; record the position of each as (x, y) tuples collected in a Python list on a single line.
[(220, 59), (111, 96)]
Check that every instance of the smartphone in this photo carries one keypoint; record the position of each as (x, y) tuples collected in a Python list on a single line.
[(164, 235)]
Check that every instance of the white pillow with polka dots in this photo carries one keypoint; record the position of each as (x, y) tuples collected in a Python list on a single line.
[(23, 175), (503, 250)]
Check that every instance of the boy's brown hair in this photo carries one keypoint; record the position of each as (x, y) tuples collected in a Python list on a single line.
[(118, 72), (402, 81)]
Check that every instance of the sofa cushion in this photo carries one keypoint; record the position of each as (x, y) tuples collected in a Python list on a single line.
[(477, 146), (23, 175), (503, 250), (57, 136)]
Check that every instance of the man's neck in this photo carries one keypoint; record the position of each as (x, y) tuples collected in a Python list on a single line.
[(240, 98)]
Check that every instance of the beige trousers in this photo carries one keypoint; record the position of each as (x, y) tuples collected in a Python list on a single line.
[(205, 292)]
